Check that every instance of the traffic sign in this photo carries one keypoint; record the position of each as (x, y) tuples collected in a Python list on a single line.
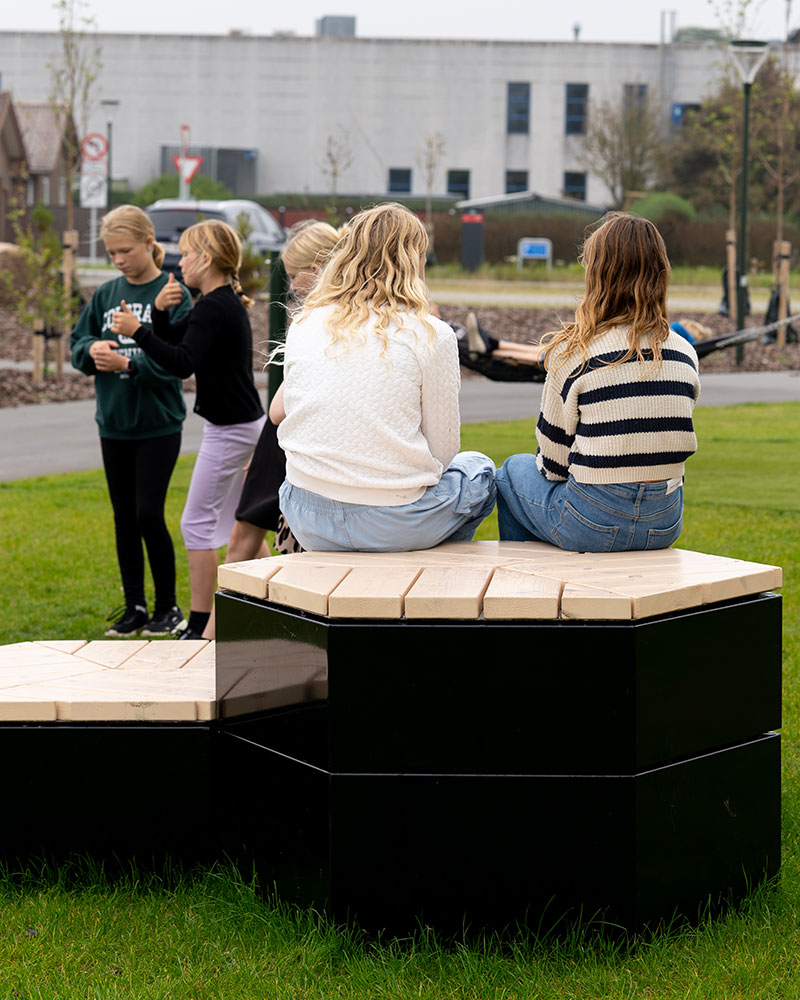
[(94, 146), (94, 191), (187, 166)]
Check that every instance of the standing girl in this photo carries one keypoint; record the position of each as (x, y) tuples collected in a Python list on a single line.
[(370, 400), (306, 250), (215, 343), (615, 426), (140, 414)]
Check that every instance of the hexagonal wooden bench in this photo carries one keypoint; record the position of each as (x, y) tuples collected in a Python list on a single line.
[(498, 732)]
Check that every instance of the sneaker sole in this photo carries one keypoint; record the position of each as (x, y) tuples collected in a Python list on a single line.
[(112, 633), (171, 631)]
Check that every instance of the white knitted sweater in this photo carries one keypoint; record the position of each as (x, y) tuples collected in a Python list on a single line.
[(367, 428), (622, 423)]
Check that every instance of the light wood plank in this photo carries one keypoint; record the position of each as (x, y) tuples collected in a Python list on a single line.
[(111, 653), (62, 645), (372, 592), (306, 586), (251, 577), (13, 709), (521, 595), (164, 655), (448, 592), (126, 711), (591, 604)]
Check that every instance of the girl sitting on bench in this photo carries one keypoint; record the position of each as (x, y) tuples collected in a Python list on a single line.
[(615, 426), (369, 407)]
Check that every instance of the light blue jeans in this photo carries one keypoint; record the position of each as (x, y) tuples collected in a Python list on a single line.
[(449, 511), (584, 517)]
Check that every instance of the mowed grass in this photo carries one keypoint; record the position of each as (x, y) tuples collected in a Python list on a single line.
[(211, 935)]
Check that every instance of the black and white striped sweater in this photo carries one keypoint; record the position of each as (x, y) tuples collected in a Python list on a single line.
[(626, 423)]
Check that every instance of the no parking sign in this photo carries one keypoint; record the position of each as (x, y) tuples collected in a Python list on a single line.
[(94, 171)]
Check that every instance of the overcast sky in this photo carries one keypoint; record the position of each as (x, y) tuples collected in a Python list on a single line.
[(530, 20)]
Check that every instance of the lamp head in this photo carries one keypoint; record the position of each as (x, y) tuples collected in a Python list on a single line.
[(748, 57)]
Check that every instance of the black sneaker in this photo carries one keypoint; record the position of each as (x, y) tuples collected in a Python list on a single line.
[(131, 620), (189, 633), (165, 623)]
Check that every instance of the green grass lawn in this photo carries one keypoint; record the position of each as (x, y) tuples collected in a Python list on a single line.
[(212, 936)]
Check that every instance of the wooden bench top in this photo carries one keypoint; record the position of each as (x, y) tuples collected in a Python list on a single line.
[(498, 580), (167, 680), (116, 680)]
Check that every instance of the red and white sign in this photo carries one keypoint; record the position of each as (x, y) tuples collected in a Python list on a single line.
[(187, 166), (94, 146)]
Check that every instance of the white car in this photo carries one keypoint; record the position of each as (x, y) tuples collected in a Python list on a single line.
[(170, 216)]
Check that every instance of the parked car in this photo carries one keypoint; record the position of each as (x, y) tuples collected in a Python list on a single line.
[(171, 216)]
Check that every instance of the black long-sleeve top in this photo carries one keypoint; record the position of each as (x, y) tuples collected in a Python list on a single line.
[(215, 344)]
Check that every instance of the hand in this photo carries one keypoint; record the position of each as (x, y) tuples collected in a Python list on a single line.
[(105, 358), (124, 323), (170, 295)]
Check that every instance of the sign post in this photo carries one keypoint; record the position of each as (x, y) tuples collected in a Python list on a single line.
[(94, 182), (186, 165)]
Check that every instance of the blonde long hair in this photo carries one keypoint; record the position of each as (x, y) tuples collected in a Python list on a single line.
[(627, 274), (223, 245), (374, 268), (309, 244), (133, 222)]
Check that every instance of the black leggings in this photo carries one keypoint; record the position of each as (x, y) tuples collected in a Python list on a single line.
[(138, 474)]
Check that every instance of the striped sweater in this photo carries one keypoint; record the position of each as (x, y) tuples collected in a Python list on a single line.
[(628, 423)]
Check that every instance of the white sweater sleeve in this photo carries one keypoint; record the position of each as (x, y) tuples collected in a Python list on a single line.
[(441, 381)]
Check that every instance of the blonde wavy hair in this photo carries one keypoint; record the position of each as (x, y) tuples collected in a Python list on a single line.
[(627, 274), (374, 268), (309, 244), (133, 222), (222, 244)]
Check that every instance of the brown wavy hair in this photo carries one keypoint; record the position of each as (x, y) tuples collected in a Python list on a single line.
[(374, 267), (627, 274), (131, 221)]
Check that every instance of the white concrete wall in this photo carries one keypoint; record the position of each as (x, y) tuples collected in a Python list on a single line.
[(285, 96)]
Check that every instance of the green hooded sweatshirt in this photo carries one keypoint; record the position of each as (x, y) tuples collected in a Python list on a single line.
[(147, 401)]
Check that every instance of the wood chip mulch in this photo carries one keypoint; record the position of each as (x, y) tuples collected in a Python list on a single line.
[(504, 323)]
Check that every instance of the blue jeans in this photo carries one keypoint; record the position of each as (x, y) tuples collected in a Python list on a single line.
[(584, 517), (449, 511)]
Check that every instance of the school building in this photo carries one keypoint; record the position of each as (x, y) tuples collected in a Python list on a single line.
[(284, 113)]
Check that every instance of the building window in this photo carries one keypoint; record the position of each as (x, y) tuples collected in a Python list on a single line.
[(45, 190), (577, 103), (516, 181), (62, 190), (635, 95), (399, 180), (518, 108), (458, 183), (575, 185)]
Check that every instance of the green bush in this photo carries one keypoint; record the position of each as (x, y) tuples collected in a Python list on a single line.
[(663, 204), (166, 186)]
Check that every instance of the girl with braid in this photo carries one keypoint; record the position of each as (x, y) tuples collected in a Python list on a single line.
[(215, 344), (615, 427)]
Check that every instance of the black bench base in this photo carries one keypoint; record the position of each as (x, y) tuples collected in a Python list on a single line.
[(394, 850)]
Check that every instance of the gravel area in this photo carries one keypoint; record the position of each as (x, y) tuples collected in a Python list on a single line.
[(515, 324)]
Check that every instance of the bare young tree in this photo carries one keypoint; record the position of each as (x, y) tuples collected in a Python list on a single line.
[(338, 157), (429, 159), (624, 142), (73, 76)]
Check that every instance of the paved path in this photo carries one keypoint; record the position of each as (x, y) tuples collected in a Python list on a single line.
[(61, 437)]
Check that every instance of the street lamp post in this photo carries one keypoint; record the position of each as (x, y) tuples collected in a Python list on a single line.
[(110, 107), (748, 57)]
